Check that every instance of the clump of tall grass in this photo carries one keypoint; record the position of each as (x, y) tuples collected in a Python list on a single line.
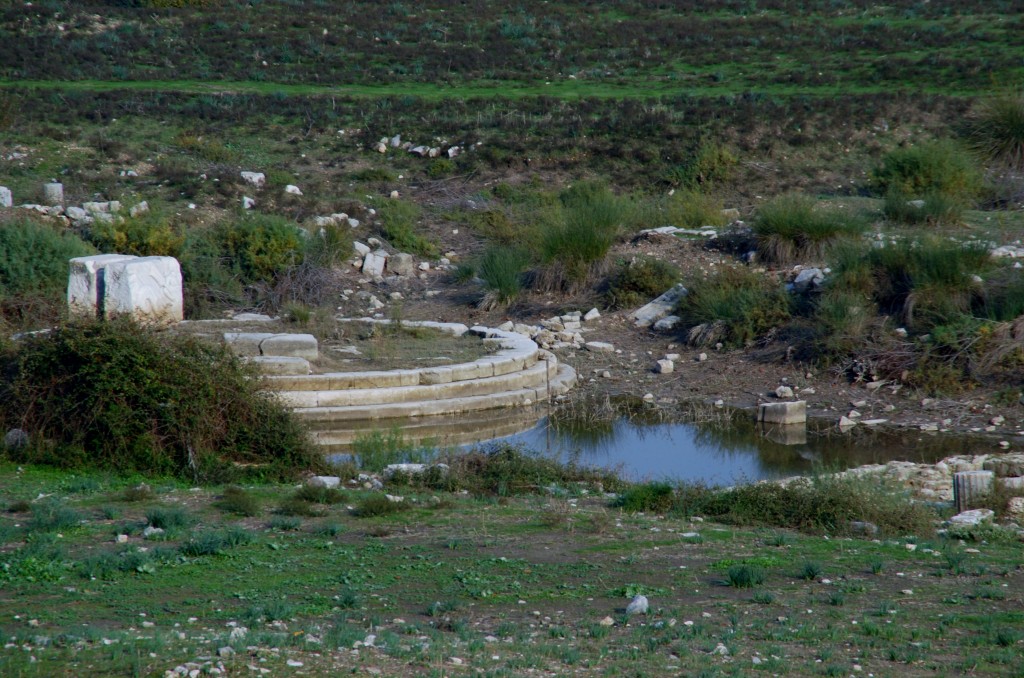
[(997, 129), (592, 218), (501, 269), (690, 208), (934, 208), (924, 283), (377, 449), (734, 306), (793, 227)]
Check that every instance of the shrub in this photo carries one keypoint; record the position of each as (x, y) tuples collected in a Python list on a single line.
[(997, 129), (935, 167), (925, 283), (297, 506), (319, 495), (120, 396), (169, 517), (657, 497), (398, 225), (239, 501), (148, 234), (258, 246), (640, 280), (501, 269), (34, 268), (819, 504), (51, 516), (710, 163), (734, 305), (379, 505), (794, 227)]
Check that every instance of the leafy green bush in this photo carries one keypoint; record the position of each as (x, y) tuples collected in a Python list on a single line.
[(169, 517), (935, 167), (710, 163), (793, 227), (733, 305), (501, 269), (640, 280), (148, 234), (997, 129), (34, 268), (121, 396), (258, 246), (398, 225)]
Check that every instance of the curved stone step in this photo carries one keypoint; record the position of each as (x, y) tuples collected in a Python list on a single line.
[(445, 431), (562, 381), (537, 375)]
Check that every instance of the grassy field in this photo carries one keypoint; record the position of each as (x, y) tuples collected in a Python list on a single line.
[(728, 45), (475, 584)]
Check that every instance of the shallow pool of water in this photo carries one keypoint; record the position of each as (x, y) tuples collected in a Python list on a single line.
[(719, 455)]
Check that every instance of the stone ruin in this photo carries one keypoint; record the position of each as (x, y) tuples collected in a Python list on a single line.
[(146, 288)]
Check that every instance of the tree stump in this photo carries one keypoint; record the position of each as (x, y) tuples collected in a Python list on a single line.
[(969, 487)]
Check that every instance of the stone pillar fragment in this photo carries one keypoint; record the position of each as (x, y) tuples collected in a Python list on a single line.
[(969, 487)]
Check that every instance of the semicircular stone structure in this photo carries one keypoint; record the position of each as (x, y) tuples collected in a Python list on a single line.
[(337, 406)]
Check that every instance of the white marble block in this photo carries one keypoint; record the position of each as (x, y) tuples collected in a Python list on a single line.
[(6, 199), (86, 282), (147, 288)]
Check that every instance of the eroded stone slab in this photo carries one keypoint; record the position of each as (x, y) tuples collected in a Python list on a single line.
[(293, 345), (281, 365)]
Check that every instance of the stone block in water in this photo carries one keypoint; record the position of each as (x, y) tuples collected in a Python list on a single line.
[(783, 413)]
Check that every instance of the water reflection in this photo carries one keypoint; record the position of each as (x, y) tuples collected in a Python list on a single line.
[(723, 452)]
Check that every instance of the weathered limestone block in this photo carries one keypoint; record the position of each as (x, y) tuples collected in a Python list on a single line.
[(293, 345), (246, 343), (373, 263), (6, 199), (401, 264), (53, 193), (147, 288), (86, 282), (783, 413)]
